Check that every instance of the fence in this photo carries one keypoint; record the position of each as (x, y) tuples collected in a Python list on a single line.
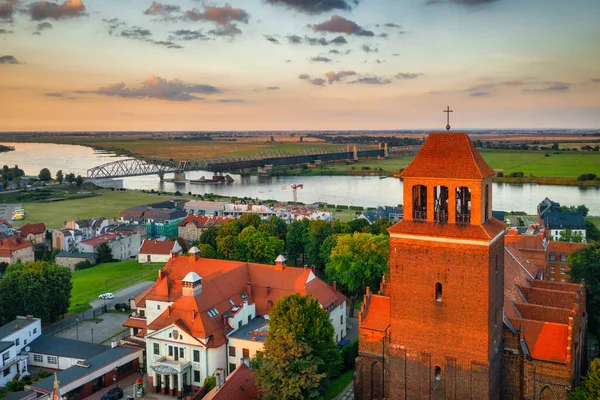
[(71, 321)]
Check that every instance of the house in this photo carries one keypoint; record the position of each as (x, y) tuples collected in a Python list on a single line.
[(53, 352), (127, 229), (558, 252), (14, 337), (91, 245), (197, 305), (90, 227), (394, 214), (153, 251), (558, 222), (478, 322), (237, 210), (123, 247), (6, 228), (66, 239), (16, 248), (192, 226), (239, 385), (160, 219), (546, 206), (92, 375), (35, 233), (200, 208), (70, 260)]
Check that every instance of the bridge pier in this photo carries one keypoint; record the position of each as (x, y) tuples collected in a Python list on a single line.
[(355, 153), (386, 152), (179, 176), (245, 171), (266, 170)]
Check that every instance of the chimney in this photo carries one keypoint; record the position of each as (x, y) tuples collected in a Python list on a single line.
[(219, 374), (194, 254), (174, 255), (160, 274), (113, 344), (248, 289), (280, 262)]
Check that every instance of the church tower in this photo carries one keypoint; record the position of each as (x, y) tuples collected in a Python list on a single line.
[(447, 278)]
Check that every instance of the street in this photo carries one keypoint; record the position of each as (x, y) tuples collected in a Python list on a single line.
[(123, 295)]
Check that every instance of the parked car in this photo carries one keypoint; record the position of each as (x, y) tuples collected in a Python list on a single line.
[(113, 394), (122, 307), (106, 296)]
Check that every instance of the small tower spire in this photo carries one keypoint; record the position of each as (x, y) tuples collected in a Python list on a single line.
[(448, 111)]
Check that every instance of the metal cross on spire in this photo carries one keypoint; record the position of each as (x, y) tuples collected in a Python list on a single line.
[(448, 111)]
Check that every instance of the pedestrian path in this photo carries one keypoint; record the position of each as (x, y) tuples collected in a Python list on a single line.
[(347, 393)]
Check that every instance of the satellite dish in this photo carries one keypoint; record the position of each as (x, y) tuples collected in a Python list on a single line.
[(27, 348)]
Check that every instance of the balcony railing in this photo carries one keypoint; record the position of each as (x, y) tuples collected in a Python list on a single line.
[(441, 217), (464, 219), (13, 361), (419, 215)]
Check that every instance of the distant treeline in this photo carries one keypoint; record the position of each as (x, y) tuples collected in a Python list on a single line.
[(391, 141), (4, 149)]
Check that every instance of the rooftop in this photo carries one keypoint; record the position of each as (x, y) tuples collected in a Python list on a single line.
[(15, 326), (240, 385), (203, 221), (12, 243), (255, 331), (34, 229), (98, 240), (75, 255), (57, 346), (157, 247), (564, 220)]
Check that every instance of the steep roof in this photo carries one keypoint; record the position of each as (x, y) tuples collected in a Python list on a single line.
[(240, 385), (448, 155), (5, 222), (564, 220), (98, 240), (34, 229), (203, 221), (157, 247), (377, 314), (12, 243)]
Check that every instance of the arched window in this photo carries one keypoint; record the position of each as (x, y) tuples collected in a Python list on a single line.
[(487, 203), (419, 203), (441, 204), (463, 205), (438, 373), (438, 291)]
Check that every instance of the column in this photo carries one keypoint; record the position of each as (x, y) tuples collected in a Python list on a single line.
[(154, 381), (180, 384)]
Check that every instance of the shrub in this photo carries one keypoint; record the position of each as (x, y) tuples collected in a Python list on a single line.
[(500, 174), (82, 265), (210, 383), (586, 177), (349, 354)]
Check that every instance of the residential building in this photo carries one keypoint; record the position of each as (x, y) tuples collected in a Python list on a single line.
[(291, 214), (14, 337), (123, 247), (558, 252), (127, 229), (239, 385), (92, 375), (237, 210), (6, 228), (91, 245), (53, 352), (558, 222), (90, 227), (70, 260), (35, 233), (394, 214), (475, 323), (158, 251), (15, 248), (160, 219), (202, 208), (546, 206), (197, 305), (66, 239), (192, 226)]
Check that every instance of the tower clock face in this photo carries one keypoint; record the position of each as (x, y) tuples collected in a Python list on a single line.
[(175, 335)]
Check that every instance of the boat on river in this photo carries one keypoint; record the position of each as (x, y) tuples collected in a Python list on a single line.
[(216, 180)]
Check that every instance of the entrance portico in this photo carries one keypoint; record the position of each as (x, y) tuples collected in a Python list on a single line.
[(170, 378)]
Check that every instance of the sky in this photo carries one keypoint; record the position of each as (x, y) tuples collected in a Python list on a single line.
[(136, 65)]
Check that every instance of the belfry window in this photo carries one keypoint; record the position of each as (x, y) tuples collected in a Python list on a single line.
[(463, 205), (438, 291), (487, 202), (441, 204), (438, 373), (419, 203)]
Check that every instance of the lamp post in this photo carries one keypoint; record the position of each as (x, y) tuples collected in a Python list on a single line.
[(77, 327), (92, 329), (115, 377)]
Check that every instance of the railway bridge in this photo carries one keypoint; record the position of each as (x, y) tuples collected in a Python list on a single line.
[(147, 166)]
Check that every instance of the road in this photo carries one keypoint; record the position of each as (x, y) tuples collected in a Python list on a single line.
[(123, 295), (6, 211)]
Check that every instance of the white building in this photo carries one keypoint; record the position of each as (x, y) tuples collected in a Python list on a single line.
[(200, 208), (191, 321), (123, 247), (155, 251), (558, 222), (14, 338), (53, 352)]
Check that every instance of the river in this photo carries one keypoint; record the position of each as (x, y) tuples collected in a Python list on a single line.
[(347, 190)]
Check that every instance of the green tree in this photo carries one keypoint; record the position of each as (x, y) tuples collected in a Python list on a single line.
[(299, 351), (568, 235), (585, 264), (258, 247), (104, 253), (357, 261), (70, 177), (228, 246), (296, 240), (326, 248), (209, 236), (59, 176), (359, 225), (79, 180), (381, 226), (248, 220), (340, 227), (45, 175), (207, 251), (592, 233), (580, 208), (589, 388), (274, 226), (318, 231)]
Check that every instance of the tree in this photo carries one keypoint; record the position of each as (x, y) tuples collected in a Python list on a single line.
[(299, 351), (327, 246), (258, 247), (381, 226), (585, 264), (45, 175), (340, 227), (247, 220), (589, 388), (70, 177), (591, 232), (59, 176), (104, 253), (79, 180), (359, 225), (317, 233), (207, 251), (580, 208), (357, 261), (181, 241), (274, 226), (296, 239), (227, 241), (569, 236), (209, 236)]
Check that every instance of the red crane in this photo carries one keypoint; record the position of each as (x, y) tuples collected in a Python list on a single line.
[(295, 188)]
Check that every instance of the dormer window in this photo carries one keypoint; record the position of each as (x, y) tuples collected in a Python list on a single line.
[(463, 205), (213, 312), (441, 204), (419, 203)]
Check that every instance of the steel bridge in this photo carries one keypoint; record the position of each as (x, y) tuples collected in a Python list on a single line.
[(147, 166)]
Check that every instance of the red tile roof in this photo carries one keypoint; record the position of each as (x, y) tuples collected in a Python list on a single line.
[(3, 221), (12, 243), (98, 240), (448, 155), (378, 314), (240, 385), (157, 247), (34, 229), (203, 221), (134, 322)]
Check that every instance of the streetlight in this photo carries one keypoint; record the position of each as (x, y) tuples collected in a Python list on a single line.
[(92, 335), (77, 327), (115, 377)]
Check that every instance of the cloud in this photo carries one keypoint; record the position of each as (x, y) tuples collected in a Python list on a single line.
[(338, 40), (273, 88), (339, 24), (226, 30), (167, 43), (407, 75), (119, 28), (220, 15), (372, 80), (313, 41), (44, 25), (304, 76), (551, 87), (231, 101), (392, 25), (8, 60), (158, 88), (595, 80), (5, 32), (188, 34), (161, 9), (396, 55), (321, 59), (513, 57), (54, 94), (368, 49), (6, 10), (41, 10), (315, 6), (318, 82), (136, 33), (487, 87), (272, 39), (338, 76), (462, 2), (479, 94)]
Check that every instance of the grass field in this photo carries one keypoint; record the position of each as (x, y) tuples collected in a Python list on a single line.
[(594, 220), (89, 283), (335, 387)]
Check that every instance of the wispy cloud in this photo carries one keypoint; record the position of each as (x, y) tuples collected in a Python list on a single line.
[(158, 88), (5, 32), (339, 24), (41, 10), (479, 94), (321, 59), (551, 87), (8, 60), (231, 101), (462, 2), (313, 41), (368, 49), (372, 80), (515, 57), (7, 9), (315, 6), (157, 8), (408, 75)]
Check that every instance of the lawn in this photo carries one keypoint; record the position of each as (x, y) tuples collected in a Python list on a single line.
[(336, 386), (89, 283), (594, 220)]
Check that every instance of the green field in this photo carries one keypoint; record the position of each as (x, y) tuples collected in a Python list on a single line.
[(336, 386), (89, 283), (594, 220)]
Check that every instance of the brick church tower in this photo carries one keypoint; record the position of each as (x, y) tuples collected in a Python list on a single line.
[(446, 289)]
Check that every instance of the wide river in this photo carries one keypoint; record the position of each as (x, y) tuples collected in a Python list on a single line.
[(348, 190)]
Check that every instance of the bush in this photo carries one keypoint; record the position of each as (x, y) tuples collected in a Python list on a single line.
[(349, 354), (210, 383), (500, 174), (82, 265), (586, 177)]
